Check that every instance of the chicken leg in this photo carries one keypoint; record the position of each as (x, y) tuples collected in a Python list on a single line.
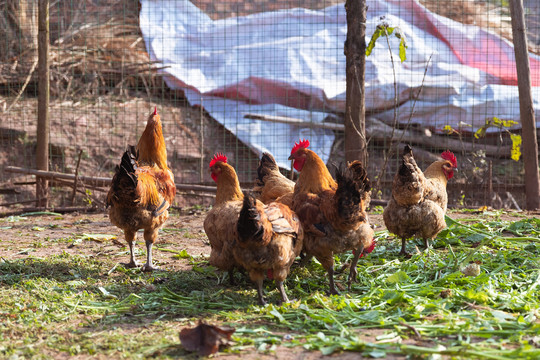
[(149, 237), (333, 290), (403, 251), (260, 296), (353, 274), (281, 288), (130, 238)]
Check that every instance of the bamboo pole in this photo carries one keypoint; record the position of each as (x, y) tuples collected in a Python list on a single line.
[(355, 53), (526, 109), (43, 125)]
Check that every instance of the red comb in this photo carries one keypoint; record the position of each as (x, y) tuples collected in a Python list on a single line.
[(155, 111), (367, 250), (300, 144), (218, 157), (448, 155)]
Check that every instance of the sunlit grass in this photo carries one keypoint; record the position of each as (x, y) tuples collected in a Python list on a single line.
[(85, 305)]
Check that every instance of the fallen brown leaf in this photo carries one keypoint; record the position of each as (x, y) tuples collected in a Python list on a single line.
[(205, 339)]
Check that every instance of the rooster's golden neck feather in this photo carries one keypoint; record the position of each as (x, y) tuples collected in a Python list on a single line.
[(314, 177), (435, 172), (151, 145), (228, 186)]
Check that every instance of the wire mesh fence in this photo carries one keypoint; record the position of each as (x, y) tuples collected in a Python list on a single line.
[(112, 61)]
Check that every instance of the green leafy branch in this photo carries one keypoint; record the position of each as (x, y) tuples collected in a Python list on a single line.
[(503, 125)]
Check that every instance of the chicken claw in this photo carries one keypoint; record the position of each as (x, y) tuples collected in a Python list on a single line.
[(149, 268), (132, 264)]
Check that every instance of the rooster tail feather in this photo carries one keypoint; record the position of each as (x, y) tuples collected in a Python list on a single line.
[(128, 166), (267, 165), (249, 225), (125, 181)]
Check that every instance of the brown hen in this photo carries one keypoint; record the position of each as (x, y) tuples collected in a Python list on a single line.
[(269, 239), (419, 199), (220, 222)]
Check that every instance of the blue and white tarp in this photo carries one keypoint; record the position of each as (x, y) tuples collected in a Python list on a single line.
[(291, 63)]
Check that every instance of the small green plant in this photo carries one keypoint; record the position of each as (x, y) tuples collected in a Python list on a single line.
[(503, 125), (88, 198)]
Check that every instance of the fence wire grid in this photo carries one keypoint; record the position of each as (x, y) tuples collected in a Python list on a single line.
[(105, 83)]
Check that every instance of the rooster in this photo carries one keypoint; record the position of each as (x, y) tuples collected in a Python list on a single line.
[(332, 212), (270, 184), (269, 239), (220, 222), (142, 190), (419, 199)]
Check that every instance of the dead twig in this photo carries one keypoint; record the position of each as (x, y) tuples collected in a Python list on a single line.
[(410, 327), (76, 178), (25, 84)]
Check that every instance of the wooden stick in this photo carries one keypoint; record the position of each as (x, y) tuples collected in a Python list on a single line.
[(9, 191), (94, 181), (18, 202), (379, 131), (76, 178), (294, 121)]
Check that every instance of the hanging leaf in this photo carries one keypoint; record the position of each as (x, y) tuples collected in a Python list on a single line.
[(402, 44), (516, 147), (376, 34), (205, 339)]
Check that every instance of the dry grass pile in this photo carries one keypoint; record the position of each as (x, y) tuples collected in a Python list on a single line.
[(101, 50)]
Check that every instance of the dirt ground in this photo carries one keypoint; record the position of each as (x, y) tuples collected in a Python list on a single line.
[(85, 234)]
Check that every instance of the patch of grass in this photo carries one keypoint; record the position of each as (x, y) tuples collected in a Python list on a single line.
[(77, 305)]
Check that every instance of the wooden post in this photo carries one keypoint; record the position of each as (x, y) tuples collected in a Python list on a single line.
[(528, 124), (43, 125), (355, 52)]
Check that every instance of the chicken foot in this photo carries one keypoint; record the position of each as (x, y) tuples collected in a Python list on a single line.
[(130, 238), (353, 274)]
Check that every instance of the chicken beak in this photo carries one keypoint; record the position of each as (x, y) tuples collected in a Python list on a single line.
[(290, 158)]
